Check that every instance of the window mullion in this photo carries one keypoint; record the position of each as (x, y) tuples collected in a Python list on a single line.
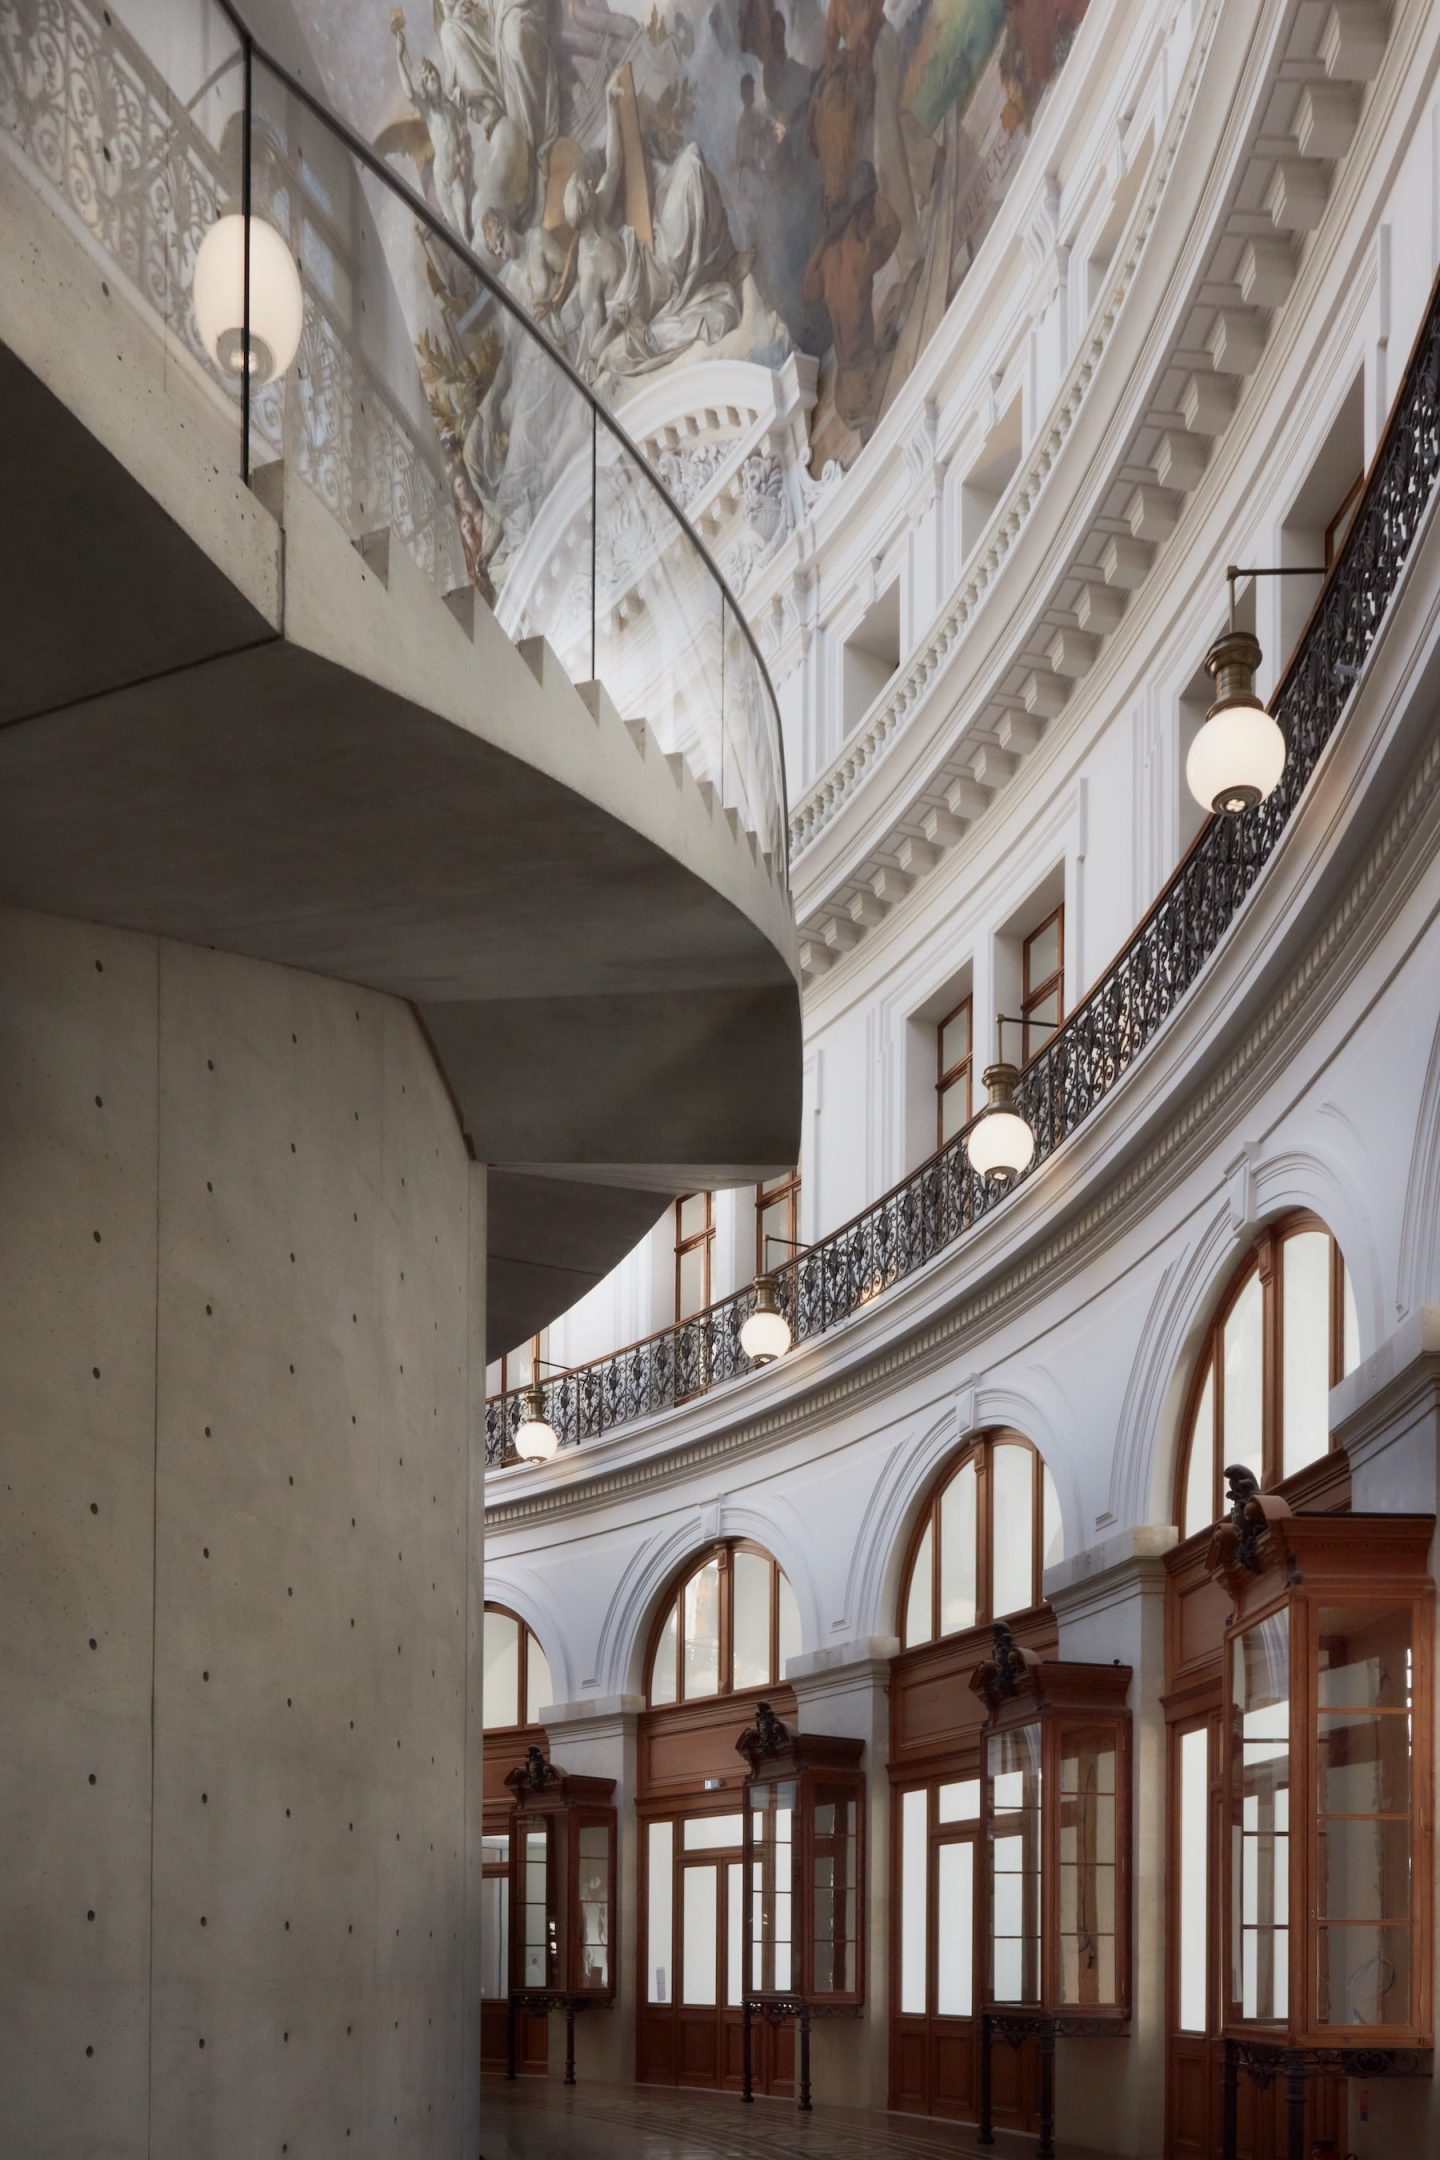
[(984, 1531)]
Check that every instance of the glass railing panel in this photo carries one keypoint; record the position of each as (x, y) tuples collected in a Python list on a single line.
[(750, 755), (525, 452), (132, 124), (658, 612), (419, 403)]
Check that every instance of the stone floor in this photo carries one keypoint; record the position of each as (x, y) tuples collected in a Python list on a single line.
[(538, 2119)]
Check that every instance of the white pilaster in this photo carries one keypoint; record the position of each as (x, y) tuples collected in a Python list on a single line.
[(1109, 1604)]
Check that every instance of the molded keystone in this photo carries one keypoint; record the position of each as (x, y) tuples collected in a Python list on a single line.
[(1295, 198), (1266, 272), (1125, 563), (1180, 459), (1237, 341), (1206, 403), (1043, 694), (1326, 118), (1072, 653), (1099, 609), (1352, 43)]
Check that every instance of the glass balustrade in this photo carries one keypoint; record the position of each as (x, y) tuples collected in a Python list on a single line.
[(391, 367)]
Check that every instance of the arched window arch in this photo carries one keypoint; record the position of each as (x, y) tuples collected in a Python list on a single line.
[(1284, 1333), (730, 1622), (517, 1673), (984, 1539)]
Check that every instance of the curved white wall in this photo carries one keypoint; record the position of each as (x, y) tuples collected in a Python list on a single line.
[(1268, 277), (1072, 697), (236, 1562)]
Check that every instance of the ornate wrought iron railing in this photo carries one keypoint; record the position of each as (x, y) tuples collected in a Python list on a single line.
[(936, 1204)]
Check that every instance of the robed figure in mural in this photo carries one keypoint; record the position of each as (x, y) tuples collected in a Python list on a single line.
[(644, 298)]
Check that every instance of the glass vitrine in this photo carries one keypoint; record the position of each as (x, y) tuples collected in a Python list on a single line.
[(802, 1910), (562, 1892), (1328, 1774), (1055, 1823)]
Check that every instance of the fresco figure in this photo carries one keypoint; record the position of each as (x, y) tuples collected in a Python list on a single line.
[(449, 161), (525, 67), (789, 172), (860, 237), (640, 304), (496, 67), (842, 100)]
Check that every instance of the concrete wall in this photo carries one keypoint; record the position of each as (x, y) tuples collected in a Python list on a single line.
[(235, 1559)]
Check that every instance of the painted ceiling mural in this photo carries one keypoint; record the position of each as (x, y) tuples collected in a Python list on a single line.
[(731, 179)]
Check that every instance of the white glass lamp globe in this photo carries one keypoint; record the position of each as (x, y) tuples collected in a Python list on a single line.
[(1001, 1143), (277, 304), (766, 1334), (536, 1439), (1239, 754)]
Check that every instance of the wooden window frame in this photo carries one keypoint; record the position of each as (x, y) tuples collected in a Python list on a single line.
[(937, 1834), (980, 1450), (527, 1635), (702, 1241), (536, 1359), (786, 1189), (724, 1554), (1265, 1259), (498, 1871), (1032, 993), (961, 1071)]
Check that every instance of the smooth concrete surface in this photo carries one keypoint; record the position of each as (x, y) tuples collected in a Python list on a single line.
[(536, 2119), (234, 727), (238, 1571)]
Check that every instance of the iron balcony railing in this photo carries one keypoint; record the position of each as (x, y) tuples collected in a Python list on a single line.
[(936, 1204), (422, 397)]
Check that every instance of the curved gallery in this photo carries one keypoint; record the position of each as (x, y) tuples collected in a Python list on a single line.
[(936, 1640)]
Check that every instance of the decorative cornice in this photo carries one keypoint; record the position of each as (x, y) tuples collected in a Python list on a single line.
[(1111, 1573), (839, 880), (863, 750)]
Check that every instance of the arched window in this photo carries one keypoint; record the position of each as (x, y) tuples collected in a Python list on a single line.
[(731, 1623), (988, 1532), (517, 1674), (1285, 1332)]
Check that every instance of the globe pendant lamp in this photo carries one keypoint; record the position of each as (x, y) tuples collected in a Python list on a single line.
[(1000, 1143), (277, 304), (766, 1334), (536, 1439), (1239, 754)]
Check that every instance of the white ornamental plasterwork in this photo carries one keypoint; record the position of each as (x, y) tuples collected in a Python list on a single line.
[(813, 488), (767, 514), (688, 473)]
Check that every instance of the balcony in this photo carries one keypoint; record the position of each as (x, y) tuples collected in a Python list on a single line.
[(385, 656)]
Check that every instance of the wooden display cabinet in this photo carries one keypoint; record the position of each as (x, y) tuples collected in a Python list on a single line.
[(1328, 1799), (803, 1886), (1055, 1828), (562, 1896)]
